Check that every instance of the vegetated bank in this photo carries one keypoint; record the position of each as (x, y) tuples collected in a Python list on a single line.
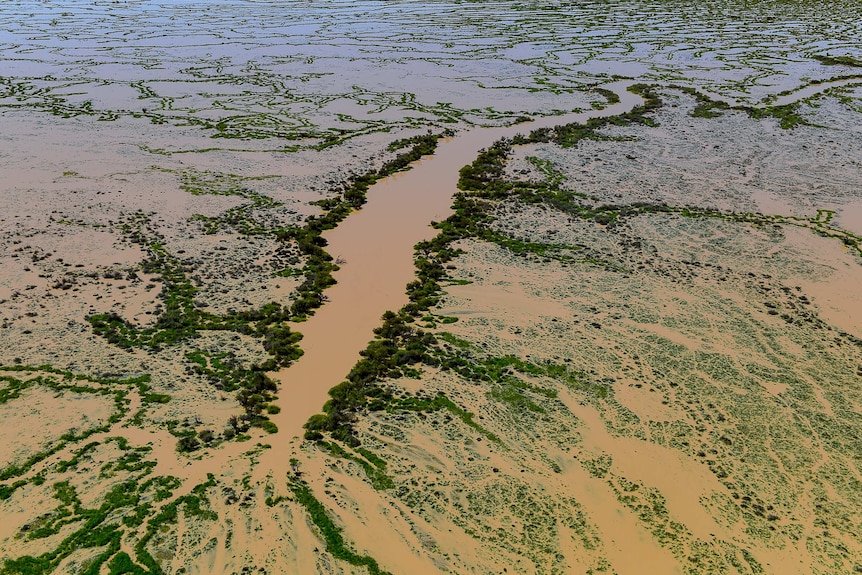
[(181, 319)]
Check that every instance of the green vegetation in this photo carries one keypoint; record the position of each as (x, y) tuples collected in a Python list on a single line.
[(193, 505), (484, 184), (255, 388), (331, 533), (439, 402), (95, 527), (500, 375), (483, 180), (706, 107), (238, 218), (787, 114), (126, 505), (838, 60), (319, 265), (397, 347), (248, 100), (66, 382), (77, 457), (609, 95), (419, 146), (650, 507), (181, 318), (397, 344), (569, 135), (400, 345), (374, 466)]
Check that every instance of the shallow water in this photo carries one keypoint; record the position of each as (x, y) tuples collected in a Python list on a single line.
[(106, 106), (376, 244), (815, 89), (426, 62)]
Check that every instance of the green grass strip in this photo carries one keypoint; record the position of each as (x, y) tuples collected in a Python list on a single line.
[(335, 545)]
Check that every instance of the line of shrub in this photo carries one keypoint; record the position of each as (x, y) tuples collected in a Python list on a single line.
[(182, 319), (374, 467), (398, 344), (331, 533)]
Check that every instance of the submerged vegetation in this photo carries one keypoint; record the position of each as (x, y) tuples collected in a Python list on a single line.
[(838, 60), (107, 509), (182, 318), (17, 379), (96, 530), (128, 505), (400, 345), (789, 115)]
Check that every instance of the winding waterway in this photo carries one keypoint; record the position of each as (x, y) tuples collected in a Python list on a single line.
[(376, 245)]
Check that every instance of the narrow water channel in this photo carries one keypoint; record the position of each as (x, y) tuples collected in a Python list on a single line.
[(814, 89), (376, 245)]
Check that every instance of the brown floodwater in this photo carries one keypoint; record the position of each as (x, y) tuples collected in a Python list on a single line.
[(376, 246), (282, 70)]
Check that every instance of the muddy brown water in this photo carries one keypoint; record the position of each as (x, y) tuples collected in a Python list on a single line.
[(376, 246)]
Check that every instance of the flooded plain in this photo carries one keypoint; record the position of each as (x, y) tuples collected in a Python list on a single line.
[(629, 343)]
